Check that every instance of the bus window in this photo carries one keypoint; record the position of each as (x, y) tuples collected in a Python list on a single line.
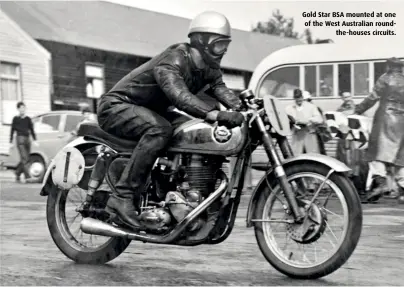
[(344, 78), (361, 79), (280, 83), (326, 81), (310, 80), (380, 69)]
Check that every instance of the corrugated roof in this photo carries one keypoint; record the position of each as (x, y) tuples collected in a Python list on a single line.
[(117, 28)]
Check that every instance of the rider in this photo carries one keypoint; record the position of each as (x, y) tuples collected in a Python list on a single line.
[(136, 107)]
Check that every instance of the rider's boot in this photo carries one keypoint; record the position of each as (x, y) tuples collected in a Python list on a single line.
[(401, 197), (380, 187), (123, 205)]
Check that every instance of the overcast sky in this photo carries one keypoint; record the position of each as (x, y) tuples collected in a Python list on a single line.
[(243, 14)]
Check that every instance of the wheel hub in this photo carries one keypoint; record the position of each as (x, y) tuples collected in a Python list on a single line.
[(36, 169), (312, 226)]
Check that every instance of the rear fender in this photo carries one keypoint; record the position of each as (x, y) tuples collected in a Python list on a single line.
[(81, 144), (318, 159)]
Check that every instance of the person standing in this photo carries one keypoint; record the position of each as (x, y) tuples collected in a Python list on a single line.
[(322, 132), (344, 147), (306, 116), (348, 154), (23, 127), (386, 142)]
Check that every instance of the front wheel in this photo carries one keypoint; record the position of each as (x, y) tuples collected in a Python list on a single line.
[(317, 247)]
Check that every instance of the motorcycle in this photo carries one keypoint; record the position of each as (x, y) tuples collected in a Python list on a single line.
[(189, 199)]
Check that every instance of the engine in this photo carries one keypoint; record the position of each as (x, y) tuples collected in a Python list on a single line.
[(179, 186)]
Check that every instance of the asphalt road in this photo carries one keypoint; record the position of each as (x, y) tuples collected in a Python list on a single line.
[(29, 256)]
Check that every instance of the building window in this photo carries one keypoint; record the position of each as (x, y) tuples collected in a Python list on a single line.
[(379, 69), (361, 79), (326, 81), (310, 80), (10, 90), (280, 83), (94, 81), (344, 78)]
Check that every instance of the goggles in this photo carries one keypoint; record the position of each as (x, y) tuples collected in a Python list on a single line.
[(219, 46)]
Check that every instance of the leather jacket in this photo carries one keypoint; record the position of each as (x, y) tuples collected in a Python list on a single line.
[(172, 78)]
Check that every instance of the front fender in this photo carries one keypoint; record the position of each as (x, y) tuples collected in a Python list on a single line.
[(319, 159), (331, 162), (47, 179)]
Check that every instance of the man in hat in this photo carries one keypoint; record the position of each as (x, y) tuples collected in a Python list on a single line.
[(306, 117), (386, 142)]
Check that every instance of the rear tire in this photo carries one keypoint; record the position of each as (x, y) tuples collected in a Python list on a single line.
[(349, 242), (65, 241)]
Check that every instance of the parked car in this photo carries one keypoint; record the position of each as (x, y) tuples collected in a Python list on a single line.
[(53, 130)]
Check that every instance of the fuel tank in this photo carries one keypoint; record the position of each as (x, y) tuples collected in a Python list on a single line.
[(198, 136)]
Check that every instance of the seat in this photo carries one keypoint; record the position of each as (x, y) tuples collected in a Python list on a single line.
[(93, 131)]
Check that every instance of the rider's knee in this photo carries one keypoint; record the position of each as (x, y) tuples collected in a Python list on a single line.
[(165, 131)]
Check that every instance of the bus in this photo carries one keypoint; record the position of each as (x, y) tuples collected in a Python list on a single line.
[(324, 70)]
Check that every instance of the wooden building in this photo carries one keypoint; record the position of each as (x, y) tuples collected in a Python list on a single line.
[(24, 76), (93, 44)]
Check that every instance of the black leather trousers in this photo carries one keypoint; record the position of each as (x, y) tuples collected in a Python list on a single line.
[(152, 131)]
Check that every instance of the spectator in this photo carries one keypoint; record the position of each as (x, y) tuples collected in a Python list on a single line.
[(348, 154), (326, 86), (23, 127), (386, 142), (306, 117), (87, 117), (348, 105), (322, 131), (345, 148)]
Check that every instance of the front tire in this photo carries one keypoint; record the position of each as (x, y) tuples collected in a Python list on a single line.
[(66, 241), (348, 242)]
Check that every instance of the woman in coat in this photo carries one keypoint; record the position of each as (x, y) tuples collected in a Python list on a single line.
[(386, 142)]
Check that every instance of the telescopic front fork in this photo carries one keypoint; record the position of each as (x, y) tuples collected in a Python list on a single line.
[(279, 171)]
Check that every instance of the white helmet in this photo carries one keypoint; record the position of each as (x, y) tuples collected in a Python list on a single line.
[(210, 22)]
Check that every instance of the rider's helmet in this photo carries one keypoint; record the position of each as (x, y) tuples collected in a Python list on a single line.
[(210, 34)]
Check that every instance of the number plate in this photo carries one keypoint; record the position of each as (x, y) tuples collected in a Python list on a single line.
[(68, 168)]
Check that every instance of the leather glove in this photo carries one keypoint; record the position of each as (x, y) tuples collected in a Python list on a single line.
[(230, 119)]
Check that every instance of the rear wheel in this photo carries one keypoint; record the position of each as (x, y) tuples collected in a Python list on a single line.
[(64, 226), (320, 248)]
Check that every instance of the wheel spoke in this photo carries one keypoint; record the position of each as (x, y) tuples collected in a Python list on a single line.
[(333, 213), (67, 202), (328, 226), (70, 222), (305, 258)]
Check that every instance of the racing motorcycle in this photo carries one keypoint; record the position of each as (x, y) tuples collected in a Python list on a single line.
[(190, 200)]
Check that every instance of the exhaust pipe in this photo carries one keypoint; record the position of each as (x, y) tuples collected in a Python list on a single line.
[(98, 227)]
